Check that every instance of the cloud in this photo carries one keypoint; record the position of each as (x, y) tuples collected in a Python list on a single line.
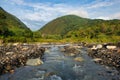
[(109, 17), (41, 13), (35, 15), (103, 17), (79, 12), (32, 16), (19, 2), (52, 9), (101, 3), (115, 16), (34, 25)]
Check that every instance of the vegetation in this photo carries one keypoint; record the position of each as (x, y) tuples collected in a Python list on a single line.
[(68, 28), (12, 29), (76, 29)]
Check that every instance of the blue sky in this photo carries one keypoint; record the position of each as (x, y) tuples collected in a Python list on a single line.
[(36, 13)]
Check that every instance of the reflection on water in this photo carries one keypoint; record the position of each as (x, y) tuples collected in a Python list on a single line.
[(59, 67)]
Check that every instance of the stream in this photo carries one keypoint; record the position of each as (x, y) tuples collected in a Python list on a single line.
[(57, 66)]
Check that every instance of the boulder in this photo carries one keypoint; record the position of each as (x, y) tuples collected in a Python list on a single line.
[(34, 62), (94, 47), (79, 59), (15, 55), (9, 53), (78, 47), (71, 51), (62, 50), (111, 47), (97, 59), (55, 77), (71, 54), (16, 44), (99, 46)]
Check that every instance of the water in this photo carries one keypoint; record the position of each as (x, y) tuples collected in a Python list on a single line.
[(59, 67)]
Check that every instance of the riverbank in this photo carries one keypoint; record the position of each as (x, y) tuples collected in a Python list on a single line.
[(16, 55), (61, 65), (64, 62), (106, 54)]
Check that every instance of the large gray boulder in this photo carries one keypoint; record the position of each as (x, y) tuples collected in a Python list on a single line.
[(34, 62)]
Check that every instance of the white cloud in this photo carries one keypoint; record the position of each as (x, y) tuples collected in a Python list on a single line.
[(79, 12), (19, 2), (52, 10), (109, 17), (45, 12), (100, 3), (103, 17), (32, 16), (103, 4), (115, 16), (41, 13)]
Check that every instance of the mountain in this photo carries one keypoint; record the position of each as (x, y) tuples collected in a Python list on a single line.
[(63, 24), (84, 29), (68, 23), (12, 26)]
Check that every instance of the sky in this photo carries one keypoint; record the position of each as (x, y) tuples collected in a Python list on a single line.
[(36, 13)]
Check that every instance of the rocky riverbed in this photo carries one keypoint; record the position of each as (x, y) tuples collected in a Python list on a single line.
[(108, 55), (66, 62), (14, 56)]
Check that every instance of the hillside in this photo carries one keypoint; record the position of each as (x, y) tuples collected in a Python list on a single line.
[(83, 29), (12, 26), (68, 28), (64, 24)]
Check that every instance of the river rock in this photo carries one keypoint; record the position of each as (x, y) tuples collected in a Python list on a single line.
[(55, 77), (118, 44), (79, 59), (71, 51), (40, 75), (99, 46), (97, 59), (78, 47), (9, 53), (118, 51), (62, 49), (111, 47), (109, 56), (34, 62), (95, 47), (49, 74), (71, 54), (16, 55)]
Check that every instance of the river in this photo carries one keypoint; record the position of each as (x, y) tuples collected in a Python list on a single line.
[(57, 66)]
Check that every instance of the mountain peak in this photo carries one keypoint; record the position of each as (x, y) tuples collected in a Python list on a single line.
[(71, 15), (59, 25)]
